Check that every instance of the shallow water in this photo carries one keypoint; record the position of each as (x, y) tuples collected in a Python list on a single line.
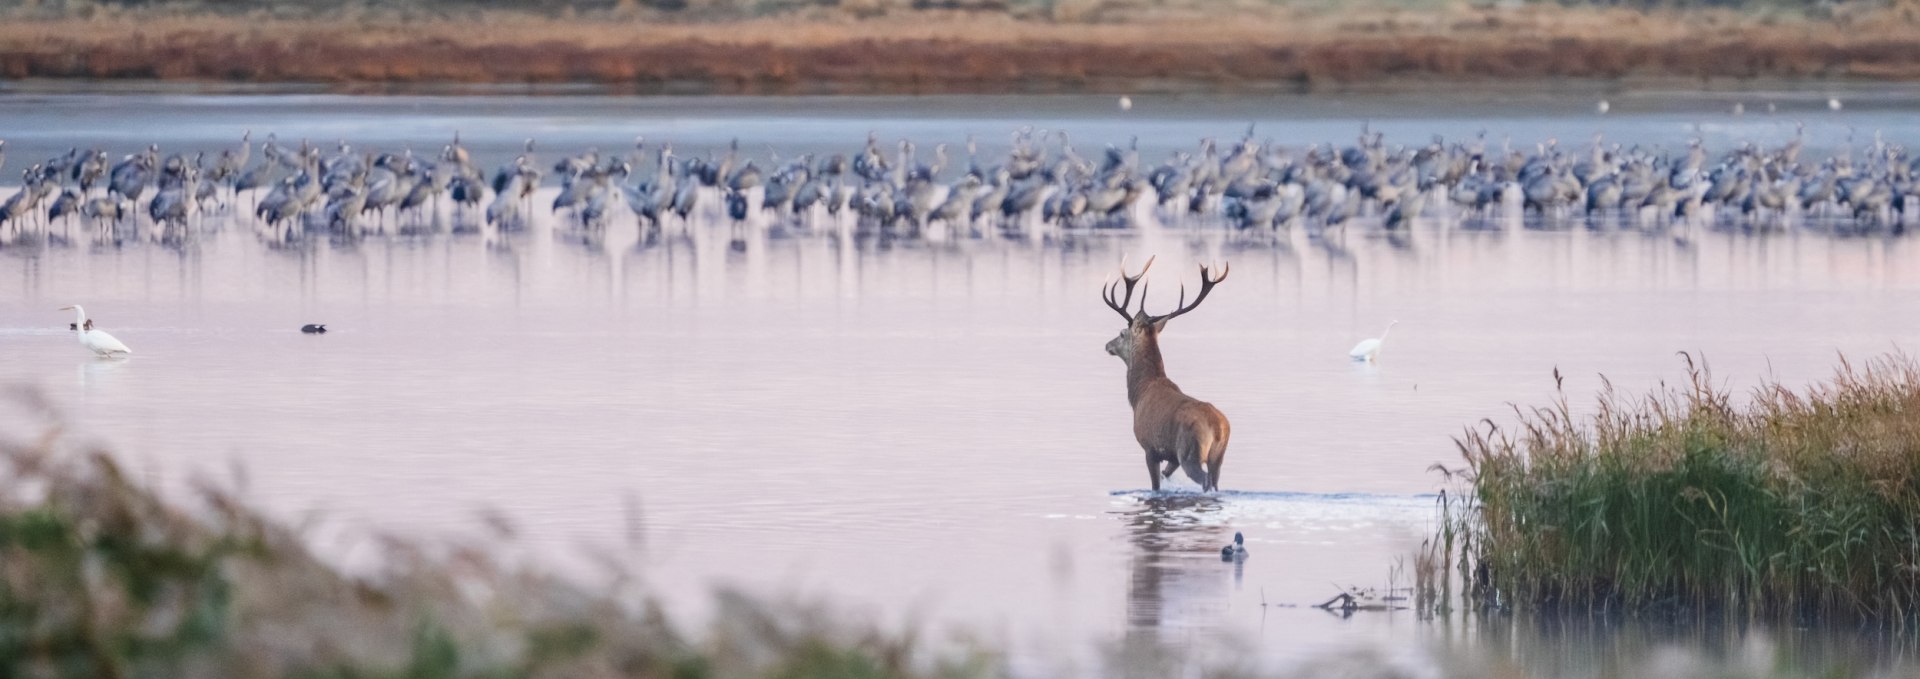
[(926, 431)]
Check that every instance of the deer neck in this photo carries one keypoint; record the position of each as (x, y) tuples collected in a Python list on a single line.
[(1145, 369)]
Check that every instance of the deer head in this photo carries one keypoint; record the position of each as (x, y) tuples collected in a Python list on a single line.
[(1143, 329)]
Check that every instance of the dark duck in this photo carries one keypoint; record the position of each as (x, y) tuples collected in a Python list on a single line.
[(1235, 551)]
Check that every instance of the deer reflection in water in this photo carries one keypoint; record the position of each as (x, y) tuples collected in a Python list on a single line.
[(1177, 582)]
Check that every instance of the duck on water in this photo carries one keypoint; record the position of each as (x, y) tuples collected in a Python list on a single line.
[(1236, 551)]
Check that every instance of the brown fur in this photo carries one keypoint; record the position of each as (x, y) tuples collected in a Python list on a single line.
[(1175, 430)]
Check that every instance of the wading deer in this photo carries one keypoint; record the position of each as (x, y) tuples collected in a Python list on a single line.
[(1176, 430)]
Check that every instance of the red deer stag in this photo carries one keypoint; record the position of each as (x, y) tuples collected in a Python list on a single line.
[(1175, 429)]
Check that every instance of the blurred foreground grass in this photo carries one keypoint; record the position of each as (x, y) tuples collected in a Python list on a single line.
[(101, 576)]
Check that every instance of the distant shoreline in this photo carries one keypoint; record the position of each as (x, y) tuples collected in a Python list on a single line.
[(952, 53)]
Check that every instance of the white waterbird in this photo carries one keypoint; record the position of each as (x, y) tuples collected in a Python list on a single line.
[(96, 341), (1369, 349)]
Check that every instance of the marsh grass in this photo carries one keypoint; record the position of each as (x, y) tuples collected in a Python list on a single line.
[(1788, 503)]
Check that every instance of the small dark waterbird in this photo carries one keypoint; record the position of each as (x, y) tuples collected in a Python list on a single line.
[(1236, 551), (314, 328)]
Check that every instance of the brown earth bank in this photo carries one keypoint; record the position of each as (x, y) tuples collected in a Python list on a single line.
[(948, 52)]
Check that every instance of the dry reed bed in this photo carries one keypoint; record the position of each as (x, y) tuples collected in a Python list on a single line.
[(953, 52), (1687, 500)]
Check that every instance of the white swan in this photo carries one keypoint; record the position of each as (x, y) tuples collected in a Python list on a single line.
[(96, 341)]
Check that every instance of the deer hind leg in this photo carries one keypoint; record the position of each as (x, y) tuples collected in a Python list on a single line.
[(1216, 458), (1189, 452)]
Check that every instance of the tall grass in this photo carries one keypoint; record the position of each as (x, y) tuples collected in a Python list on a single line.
[(1689, 500)]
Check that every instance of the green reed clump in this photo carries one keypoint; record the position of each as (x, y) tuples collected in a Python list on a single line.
[(1798, 503)]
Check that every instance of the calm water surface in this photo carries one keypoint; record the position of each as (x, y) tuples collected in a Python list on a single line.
[(926, 431)]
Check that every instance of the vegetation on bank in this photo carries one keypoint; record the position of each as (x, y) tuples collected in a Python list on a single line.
[(859, 47), (1790, 504)]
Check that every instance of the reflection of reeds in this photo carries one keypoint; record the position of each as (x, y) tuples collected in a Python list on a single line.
[(959, 52), (1794, 504)]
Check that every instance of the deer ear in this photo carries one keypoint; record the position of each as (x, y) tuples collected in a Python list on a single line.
[(1160, 325)]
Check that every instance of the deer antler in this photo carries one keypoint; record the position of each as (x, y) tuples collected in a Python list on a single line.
[(1207, 281), (1120, 305)]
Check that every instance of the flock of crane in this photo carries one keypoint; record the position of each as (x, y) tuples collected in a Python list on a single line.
[(1043, 182)]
